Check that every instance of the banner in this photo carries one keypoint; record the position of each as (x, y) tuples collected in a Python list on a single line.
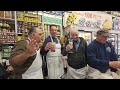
[(90, 19)]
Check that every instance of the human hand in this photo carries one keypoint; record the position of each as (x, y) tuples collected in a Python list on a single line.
[(32, 47), (114, 64), (40, 45), (50, 46), (69, 47), (10, 69), (53, 47)]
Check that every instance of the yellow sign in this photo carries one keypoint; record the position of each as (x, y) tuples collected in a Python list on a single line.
[(71, 18)]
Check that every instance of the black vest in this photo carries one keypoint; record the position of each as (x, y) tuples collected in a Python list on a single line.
[(77, 59)]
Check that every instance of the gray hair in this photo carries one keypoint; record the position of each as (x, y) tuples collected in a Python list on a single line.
[(74, 30), (32, 30)]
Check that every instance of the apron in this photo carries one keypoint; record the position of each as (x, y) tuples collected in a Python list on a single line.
[(76, 73), (54, 62), (35, 70), (96, 74)]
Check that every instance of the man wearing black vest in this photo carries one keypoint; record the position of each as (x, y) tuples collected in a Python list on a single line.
[(76, 56)]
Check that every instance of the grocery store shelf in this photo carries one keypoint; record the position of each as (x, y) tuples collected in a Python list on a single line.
[(19, 33), (8, 43), (30, 16), (5, 57), (28, 21), (6, 18), (58, 35)]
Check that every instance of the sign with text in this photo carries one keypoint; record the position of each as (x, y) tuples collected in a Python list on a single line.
[(92, 19), (51, 20)]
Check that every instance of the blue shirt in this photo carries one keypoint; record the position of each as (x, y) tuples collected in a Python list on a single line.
[(76, 43), (99, 55)]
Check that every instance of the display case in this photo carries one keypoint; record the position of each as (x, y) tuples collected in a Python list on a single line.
[(87, 35), (114, 41), (119, 44)]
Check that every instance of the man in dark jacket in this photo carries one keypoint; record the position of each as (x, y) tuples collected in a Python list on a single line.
[(76, 53), (101, 54)]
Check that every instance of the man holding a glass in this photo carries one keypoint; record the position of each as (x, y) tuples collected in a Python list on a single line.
[(52, 50), (75, 50)]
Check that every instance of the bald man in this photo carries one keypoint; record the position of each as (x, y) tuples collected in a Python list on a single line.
[(25, 57), (76, 68)]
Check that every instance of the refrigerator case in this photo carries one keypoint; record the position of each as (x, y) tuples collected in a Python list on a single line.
[(118, 44), (114, 41), (87, 35)]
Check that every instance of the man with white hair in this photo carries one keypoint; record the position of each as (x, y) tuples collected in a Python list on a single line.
[(76, 53)]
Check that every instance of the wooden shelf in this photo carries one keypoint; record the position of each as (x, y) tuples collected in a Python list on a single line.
[(31, 16), (19, 33), (8, 43), (7, 19), (28, 21)]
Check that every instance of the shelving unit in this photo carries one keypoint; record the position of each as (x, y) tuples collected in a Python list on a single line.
[(26, 20), (7, 33), (14, 26), (6, 51)]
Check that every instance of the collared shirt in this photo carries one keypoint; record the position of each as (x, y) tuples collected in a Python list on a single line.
[(76, 43)]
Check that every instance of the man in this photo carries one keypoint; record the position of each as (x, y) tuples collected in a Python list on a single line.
[(76, 54), (25, 57), (101, 56), (52, 49)]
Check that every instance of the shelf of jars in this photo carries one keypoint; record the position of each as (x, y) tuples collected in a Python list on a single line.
[(26, 20), (30, 18), (7, 32)]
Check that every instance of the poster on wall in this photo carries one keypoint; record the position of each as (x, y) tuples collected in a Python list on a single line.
[(90, 19)]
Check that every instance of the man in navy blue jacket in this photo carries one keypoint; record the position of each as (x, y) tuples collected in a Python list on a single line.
[(101, 54)]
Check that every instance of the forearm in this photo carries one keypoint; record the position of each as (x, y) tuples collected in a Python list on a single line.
[(19, 59)]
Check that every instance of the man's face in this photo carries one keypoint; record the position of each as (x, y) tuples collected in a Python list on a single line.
[(102, 39), (74, 35), (53, 31), (38, 35)]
